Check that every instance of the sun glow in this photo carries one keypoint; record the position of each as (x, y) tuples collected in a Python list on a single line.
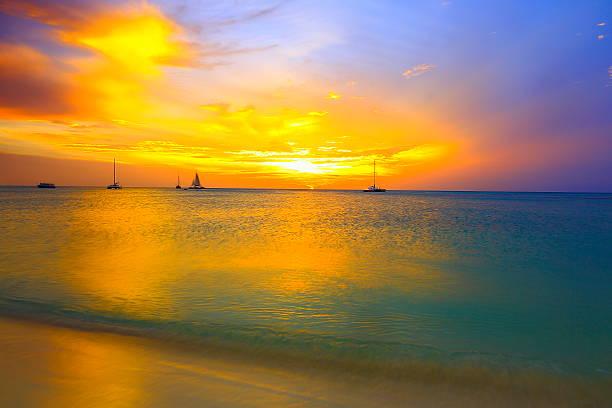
[(125, 99), (304, 166)]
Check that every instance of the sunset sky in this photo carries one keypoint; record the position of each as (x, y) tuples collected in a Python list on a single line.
[(453, 95)]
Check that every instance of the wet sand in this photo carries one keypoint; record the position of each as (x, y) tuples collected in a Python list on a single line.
[(51, 366)]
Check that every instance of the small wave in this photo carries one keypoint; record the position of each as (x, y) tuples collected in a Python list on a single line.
[(397, 361)]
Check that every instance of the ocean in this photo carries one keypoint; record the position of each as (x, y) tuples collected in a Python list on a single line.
[(479, 287)]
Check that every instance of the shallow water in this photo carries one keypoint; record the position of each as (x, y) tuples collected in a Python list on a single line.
[(51, 366), (508, 281)]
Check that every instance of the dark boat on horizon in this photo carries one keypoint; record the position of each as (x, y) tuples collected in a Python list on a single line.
[(46, 185), (115, 185), (195, 184), (373, 188)]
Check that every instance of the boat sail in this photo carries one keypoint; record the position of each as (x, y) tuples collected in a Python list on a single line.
[(373, 188), (115, 185), (195, 184), (178, 182)]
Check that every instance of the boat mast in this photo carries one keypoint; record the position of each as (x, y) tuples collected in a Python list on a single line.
[(374, 174), (114, 182)]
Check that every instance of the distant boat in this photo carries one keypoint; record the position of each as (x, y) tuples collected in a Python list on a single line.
[(115, 185), (178, 182), (373, 188), (46, 185), (195, 184)]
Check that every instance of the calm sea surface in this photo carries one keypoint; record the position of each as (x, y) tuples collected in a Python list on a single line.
[(510, 280)]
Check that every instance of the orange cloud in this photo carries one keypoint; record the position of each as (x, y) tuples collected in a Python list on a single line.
[(127, 47), (30, 83)]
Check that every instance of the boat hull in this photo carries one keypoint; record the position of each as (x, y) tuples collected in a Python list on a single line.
[(46, 185), (376, 190)]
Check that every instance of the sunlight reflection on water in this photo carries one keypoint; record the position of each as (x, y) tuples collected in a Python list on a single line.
[(486, 272)]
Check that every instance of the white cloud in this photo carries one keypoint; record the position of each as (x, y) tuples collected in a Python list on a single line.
[(417, 70)]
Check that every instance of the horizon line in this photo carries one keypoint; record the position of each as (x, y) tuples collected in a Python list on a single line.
[(339, 189)]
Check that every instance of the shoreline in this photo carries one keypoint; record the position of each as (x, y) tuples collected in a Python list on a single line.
[(28, 347)]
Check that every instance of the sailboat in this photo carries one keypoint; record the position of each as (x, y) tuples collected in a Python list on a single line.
[(195, 184), (373, 188), (178, 182), (115, 185)]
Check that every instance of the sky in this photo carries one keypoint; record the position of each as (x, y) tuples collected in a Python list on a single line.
[(444, 95)]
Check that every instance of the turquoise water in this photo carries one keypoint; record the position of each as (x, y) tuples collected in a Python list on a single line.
[(502, 280)]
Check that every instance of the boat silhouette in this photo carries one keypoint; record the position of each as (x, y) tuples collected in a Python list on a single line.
[(373, 188), (46, 185), (195, 184), (115, 185)]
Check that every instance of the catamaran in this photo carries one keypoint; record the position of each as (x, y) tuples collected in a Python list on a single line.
[(195, 184), (115, 185), (373, 188)]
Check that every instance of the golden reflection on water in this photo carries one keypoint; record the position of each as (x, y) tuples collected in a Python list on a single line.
[(145, 253), (115, 258), (297, 269), (315, 254)]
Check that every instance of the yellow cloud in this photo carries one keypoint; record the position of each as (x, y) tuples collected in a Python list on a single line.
[(216, 107), (257, 153), (138, 40), (124, 122), (420, 153), (304, 166)]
